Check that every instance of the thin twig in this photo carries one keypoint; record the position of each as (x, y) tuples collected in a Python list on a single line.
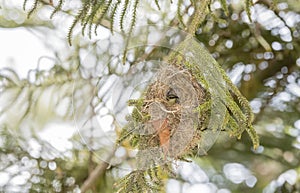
[(98, 171)]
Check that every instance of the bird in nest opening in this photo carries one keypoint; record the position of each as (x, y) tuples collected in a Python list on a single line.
[(170, 101)]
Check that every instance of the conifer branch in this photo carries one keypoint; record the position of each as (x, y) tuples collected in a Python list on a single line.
[(89, 19), (98, 171), (248, 4), (113, 14), (225, 7), (201, 10), (33, 8), (80, 15), (135, 5), (57, 8), (101, 15), (157, 4), (123, 12)]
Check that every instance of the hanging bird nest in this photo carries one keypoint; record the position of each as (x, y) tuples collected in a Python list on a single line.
[(181, 113), (165, 122), (171, 101), (184, 108)]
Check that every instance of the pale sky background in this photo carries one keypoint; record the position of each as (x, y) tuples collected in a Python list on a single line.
[(20, 50)]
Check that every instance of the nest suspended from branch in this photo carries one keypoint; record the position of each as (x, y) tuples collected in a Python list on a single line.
[(165, 122), (182, 111)]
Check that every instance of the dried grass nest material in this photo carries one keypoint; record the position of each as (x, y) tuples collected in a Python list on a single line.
[(171, 100), (180, 114)]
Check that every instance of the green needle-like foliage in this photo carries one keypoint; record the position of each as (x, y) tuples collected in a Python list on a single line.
[(93, 12)]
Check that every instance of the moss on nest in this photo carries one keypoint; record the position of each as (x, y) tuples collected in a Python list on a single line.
[(182, 111)]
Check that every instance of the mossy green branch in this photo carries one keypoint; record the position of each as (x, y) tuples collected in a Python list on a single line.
[(201, 10)]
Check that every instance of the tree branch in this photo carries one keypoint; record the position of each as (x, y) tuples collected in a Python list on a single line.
[(98, 171)]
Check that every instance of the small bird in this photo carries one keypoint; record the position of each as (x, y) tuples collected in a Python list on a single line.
[(171, 97)]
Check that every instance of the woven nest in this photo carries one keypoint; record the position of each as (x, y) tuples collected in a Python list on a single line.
[(171, 101)]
